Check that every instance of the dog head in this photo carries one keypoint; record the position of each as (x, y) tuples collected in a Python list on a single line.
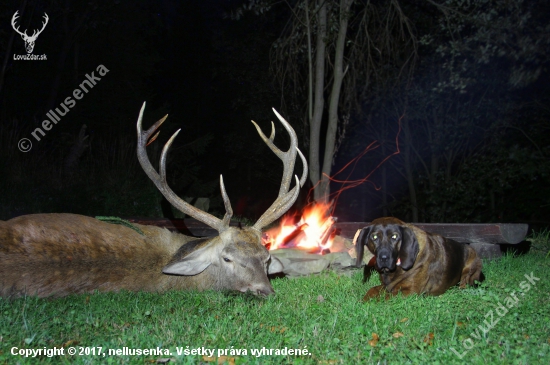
[(391, 242)]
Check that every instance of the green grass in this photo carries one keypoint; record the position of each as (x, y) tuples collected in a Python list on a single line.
[(322, 313), (540, 241)]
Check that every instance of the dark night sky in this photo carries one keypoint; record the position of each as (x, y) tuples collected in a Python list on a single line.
[(211, 74)]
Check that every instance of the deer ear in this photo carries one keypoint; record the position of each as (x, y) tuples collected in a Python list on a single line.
[(275, 266), (360, 243), (192, 258), (409, 248)]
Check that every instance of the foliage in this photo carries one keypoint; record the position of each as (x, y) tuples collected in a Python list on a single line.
[(481, 189), (472, 130), (123, 222), (510, 34), (540, 241)]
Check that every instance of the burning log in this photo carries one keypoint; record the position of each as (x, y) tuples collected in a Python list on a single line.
[(314, 233), (328, 231), (294, 235)]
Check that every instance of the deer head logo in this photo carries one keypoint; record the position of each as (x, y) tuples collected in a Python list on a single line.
[(29, 41)]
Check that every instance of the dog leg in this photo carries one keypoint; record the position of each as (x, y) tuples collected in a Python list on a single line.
[(374, 293), (472, 270)]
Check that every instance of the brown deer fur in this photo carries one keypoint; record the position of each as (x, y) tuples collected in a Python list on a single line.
[(61, 254)]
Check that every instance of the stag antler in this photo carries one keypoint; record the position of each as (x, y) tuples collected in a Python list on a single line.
[(283, 202), (286, 198), (162, 185)]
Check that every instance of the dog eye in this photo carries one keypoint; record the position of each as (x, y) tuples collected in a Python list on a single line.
[(394, 236), (374, 236)]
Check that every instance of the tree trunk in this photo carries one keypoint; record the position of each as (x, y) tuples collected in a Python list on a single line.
[(323, 190), (319, 100), (309, 66), (409, 170), (384, 190)]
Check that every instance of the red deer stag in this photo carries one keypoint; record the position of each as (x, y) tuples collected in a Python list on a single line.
[(61, 254)]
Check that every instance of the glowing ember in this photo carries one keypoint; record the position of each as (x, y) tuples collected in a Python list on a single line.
[(313, 231)]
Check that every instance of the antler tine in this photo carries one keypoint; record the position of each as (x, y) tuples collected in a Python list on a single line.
[(226, 203), (44, 23), (304, 172), (293, 146), (160, 180), (279, 207), (147, 135), (13, 19), (285, 198), (288, 157), (272, 135)]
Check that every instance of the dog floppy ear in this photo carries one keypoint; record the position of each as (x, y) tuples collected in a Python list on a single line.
[(360, 244), (409, 248)]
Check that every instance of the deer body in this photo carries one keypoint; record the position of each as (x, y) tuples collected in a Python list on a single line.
[(61, 254)]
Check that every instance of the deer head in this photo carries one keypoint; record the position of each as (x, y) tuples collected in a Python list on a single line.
[(61, 254), (234, 248), (29, 40)]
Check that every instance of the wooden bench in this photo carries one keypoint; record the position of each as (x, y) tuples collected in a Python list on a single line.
[(485, 238)]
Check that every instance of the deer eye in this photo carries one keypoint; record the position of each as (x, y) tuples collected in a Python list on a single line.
[(226, 259)]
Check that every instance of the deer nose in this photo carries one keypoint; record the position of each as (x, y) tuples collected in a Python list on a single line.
[(263, 290)]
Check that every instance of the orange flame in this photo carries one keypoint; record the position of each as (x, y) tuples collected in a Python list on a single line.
[(309, 233)]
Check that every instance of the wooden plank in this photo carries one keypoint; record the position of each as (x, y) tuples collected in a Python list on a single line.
[(495, 233)]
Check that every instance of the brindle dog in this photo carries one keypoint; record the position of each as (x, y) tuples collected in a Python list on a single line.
[(410, 260)]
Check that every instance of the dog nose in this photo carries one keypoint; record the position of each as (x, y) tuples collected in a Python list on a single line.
[(384, 259), (384, 255)]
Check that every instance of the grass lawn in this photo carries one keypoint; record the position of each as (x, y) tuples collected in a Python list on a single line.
[(322, 316)]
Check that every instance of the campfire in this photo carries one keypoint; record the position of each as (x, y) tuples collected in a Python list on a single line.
[(308, 244), (314, 232)]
